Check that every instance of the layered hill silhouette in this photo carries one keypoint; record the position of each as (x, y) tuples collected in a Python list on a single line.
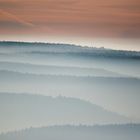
[(34, 79), (57, 70), (125, 62), (103, 91), (106, 132), (20, 111), (34, 47), (75, 85)]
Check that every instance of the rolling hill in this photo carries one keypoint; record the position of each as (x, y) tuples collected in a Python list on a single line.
[(20, 111), (67, 132)]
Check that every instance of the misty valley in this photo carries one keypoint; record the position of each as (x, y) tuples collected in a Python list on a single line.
[(62, 91)]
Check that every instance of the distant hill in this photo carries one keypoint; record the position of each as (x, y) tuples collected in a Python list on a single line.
[(57, 70), (67, 84), (70, 49), (24, 110), (106, 132), (117, 61), (109, 92), (92, 81)]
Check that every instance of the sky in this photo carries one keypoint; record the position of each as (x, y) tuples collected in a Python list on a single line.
[(101, 23)]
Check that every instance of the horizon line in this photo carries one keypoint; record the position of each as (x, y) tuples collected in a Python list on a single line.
[(62, 43)]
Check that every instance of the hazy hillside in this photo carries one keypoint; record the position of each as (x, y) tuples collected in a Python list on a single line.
[(65, 48), (97, 84), (106, 132), (57, 70), (103, 91), (25, 110), (125, 62)]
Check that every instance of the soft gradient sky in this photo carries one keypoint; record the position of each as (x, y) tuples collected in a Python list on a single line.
[(109, 23)]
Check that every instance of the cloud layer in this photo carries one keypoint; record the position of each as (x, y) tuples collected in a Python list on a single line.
[(98, 18)]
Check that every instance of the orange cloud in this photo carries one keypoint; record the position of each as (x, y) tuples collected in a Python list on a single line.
[(15, 18), (93, 18)]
